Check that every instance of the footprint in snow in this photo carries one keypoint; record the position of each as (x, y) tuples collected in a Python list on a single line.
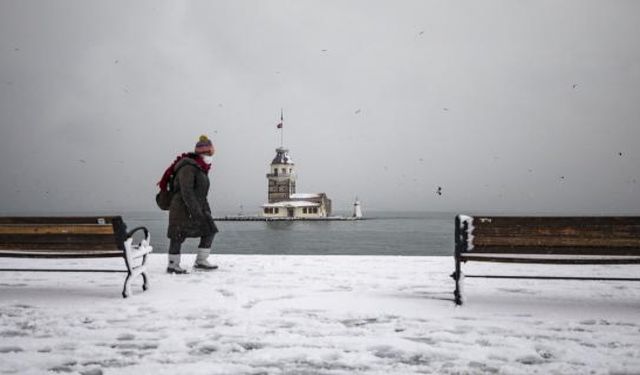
[(13, 333), (204, 349), (423, 340), (10, 349), (131, 345), (23, 306), (60, 369), (589, 322), (464, 318), (531, 360), (518, 291), (545, 353), (358, 322), (251, 345), (483, 367), (226, 293)]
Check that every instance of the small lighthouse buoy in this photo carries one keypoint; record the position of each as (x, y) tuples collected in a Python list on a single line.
[(357, 210)]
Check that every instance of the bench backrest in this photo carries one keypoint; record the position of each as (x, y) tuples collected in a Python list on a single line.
[(595, 235), (62, 236)]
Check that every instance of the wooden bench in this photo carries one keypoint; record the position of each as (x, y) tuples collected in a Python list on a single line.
[(76, 237), (546, 240)]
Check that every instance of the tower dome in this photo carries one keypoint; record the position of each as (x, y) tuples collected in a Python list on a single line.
[(282, 157)]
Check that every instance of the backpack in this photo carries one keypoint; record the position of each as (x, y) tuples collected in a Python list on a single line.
[(164, 196)]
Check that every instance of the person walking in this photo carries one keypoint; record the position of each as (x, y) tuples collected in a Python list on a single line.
[(189, 212)]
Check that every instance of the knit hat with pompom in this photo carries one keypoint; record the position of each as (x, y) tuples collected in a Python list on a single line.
[(204, 145)]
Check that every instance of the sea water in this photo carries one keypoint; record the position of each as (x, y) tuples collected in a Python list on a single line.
[(382, 233)]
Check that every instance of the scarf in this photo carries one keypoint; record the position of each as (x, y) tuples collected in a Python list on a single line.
[(166, 176)]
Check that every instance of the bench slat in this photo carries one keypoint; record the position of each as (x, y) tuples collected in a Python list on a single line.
[(559, 241), (59, 219), (56, 229), (59, 246), (622, 231), (551, 221), (61, 254), (553, 258), (564, 250), (56, 238)]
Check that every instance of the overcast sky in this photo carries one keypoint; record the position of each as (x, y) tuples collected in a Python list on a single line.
[(507, 105)]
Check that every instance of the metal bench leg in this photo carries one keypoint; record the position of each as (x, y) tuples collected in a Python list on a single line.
[(461, 237), (132, 253), (145, 279), (128, 261), (126, 291), (457, 276)]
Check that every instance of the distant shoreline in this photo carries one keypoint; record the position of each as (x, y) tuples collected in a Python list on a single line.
[(262, 218)]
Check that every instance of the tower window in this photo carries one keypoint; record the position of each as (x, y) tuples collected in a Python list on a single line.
[(275, 171), (284, 170)]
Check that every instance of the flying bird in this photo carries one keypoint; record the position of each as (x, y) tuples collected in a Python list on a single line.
[(574, 85), (357, 111), (439, 190)]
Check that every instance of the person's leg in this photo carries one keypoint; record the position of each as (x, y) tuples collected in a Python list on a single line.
[(174, 256), (204, 249)]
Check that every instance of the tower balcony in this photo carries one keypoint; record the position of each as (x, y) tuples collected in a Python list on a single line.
[(281, 175)]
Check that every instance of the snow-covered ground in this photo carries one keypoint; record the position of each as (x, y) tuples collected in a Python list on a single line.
[(262, 314)]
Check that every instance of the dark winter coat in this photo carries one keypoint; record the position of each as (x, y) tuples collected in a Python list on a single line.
[(190, 213)]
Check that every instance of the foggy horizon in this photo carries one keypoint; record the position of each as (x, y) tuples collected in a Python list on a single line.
[(509, 107)]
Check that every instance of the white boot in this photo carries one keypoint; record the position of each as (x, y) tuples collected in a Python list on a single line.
[(174, 264), (202, 261)]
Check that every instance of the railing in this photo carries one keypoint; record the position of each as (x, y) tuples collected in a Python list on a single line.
[(288, 175)]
